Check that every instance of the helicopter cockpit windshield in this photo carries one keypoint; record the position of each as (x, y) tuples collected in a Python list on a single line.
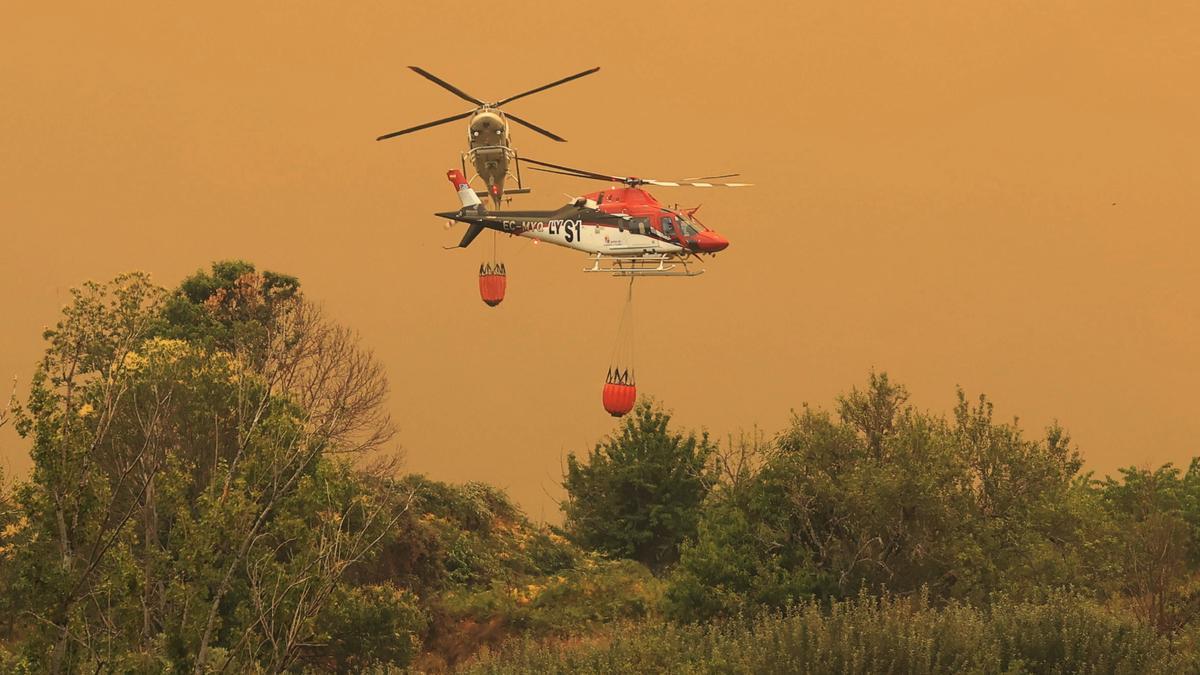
[(680, 227), (691, 226)]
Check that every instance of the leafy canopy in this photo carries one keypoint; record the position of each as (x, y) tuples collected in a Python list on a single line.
[(638, 495)]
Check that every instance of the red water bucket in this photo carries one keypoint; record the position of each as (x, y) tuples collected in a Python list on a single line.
[(619, 393), (492, 282)]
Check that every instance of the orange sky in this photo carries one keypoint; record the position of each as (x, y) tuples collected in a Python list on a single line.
[(997, 195)]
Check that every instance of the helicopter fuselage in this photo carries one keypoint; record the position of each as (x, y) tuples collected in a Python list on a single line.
[(578, 229), (488, 148), (489, 151), (618, 222)]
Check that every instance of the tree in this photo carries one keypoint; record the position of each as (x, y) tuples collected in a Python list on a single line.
[(884, 496), (638, 495), (76, 511), (189, 504), (1158, 514)]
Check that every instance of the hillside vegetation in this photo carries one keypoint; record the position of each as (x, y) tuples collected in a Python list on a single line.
[(213, 491)]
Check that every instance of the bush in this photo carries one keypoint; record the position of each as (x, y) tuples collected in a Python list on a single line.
[(580, 601), (1065, 634), (638, 496), (886, 497), (368, 626)]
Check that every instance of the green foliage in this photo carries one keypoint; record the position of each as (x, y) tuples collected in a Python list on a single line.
[(364, 627), (194, 506), (724, 571), (480, 571), (1066, 634), (578, 600), (638, 495), (1158, 515), (886, 497), (13, 537), (184, 510), (472, 535), (228, 305)]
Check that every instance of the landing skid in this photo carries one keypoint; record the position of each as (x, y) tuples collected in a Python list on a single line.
[(511, 160), (642, 266)]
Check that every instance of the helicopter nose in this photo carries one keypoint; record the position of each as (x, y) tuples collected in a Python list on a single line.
[(711, 242)]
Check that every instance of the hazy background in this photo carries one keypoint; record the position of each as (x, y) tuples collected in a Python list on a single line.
[(1001, 196)]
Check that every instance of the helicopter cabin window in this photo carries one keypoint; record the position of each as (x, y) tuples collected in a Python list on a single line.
[(638, 225), (668, 227)]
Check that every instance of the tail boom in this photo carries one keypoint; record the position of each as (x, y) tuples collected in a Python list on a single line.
[(466, 196), (470, 206)]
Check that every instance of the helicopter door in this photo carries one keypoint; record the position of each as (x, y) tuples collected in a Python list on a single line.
[(668, 227)]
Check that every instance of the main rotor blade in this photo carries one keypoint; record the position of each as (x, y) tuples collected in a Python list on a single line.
[(689, 183), (419, 127), (544, 87), (576, 175), (561, 173), (535, 127), (724, 175), (579, 173), (446, 85)]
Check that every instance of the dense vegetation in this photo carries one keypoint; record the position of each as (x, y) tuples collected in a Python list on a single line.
[(1064, 633), (212, 491)]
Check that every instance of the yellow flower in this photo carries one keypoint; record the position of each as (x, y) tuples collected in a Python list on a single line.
[(170, 349), (133, 362), (14, 528), (86, 409)]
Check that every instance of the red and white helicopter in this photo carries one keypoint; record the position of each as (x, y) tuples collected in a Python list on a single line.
[(627, 230)]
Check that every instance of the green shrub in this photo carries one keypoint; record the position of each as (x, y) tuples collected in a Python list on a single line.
[(1065, 634), (575, 601), (367, 626), (884, 496), (639, 492)]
